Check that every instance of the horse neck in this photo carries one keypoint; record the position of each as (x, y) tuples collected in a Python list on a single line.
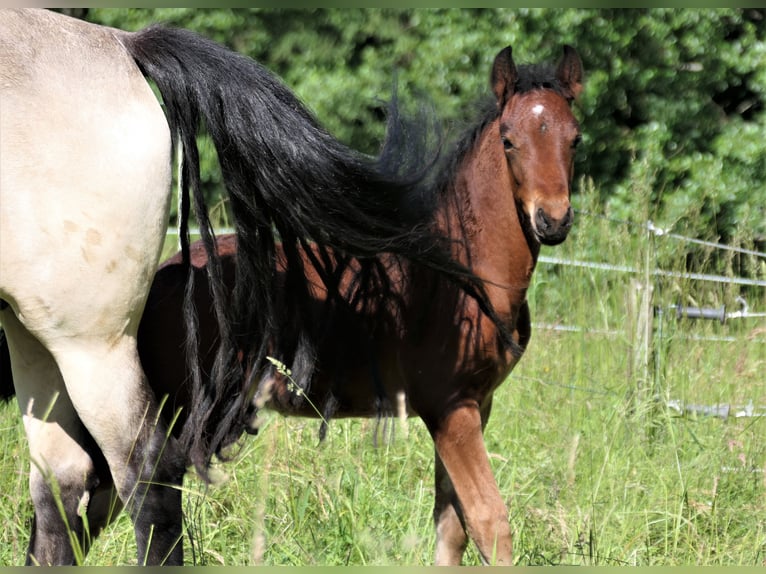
[(482, 213)]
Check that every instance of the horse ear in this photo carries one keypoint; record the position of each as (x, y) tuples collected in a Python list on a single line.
[(569, 73), (503, 77)]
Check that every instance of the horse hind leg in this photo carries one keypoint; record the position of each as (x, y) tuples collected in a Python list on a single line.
[(67, 472), (144, 458), (70, 512), (467, 496)]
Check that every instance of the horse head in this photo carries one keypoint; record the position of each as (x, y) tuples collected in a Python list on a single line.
[(539, 134)]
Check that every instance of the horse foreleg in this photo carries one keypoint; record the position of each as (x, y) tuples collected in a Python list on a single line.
[(144, 458), (459, 444), (451, 537)]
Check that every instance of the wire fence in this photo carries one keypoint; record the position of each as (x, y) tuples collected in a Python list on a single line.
[(650, 270), (645, 330)]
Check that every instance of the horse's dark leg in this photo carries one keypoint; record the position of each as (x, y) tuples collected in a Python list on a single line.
[(459, 444), (52, 532), (155, 505), (144, 459), (103, 506), (62, 473), (59, 534)]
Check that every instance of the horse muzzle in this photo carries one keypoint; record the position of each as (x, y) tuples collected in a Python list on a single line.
[(552, 230)]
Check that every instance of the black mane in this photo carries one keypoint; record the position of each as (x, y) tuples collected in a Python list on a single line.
[(537, 77)]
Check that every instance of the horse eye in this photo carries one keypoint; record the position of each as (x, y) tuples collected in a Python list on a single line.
[(507, 144), (576, 141)]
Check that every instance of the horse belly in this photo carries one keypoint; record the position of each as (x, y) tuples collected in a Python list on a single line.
[(84, 177)]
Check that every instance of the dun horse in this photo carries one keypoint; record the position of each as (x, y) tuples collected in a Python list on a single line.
[(502, 193), (85, 176)]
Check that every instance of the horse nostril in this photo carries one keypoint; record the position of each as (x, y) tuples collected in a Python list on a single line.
[(566, 221), (543, 222)]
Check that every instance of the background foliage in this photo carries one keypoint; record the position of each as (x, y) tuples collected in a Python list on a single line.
[(674, 98)]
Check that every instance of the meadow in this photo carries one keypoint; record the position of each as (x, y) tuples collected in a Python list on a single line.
[(596, 463)]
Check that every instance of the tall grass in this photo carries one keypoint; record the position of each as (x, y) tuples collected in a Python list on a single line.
[(595, 468)]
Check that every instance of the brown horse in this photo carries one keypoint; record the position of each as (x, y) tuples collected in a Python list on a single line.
[(503, 192)]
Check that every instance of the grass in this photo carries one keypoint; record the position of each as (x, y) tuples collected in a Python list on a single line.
[(594, 468)]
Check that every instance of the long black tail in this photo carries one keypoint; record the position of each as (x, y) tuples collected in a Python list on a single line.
[(286, 177)]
